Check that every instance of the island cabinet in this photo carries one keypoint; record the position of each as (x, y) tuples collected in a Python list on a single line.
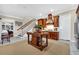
[(37, 40), (53, 35)]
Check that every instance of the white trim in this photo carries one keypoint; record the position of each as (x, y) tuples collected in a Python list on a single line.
[(9, 16), (65, 10)]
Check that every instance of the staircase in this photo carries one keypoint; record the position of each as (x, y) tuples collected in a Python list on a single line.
[(25, 25), (28, 26)]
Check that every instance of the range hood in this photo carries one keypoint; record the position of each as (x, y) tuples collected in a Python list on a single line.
[(49, 20), (49, 23)]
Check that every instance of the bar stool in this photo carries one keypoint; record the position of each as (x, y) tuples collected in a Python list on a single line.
[(5, 36)]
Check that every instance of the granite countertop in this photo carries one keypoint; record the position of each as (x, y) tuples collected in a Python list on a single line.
[(50, 31)]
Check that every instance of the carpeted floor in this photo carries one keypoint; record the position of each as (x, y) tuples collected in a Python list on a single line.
[(23, 48)]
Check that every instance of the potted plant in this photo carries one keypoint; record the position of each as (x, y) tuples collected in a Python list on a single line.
[(38, 28)]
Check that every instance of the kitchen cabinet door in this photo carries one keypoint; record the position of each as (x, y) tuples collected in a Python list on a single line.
[(56, 21)]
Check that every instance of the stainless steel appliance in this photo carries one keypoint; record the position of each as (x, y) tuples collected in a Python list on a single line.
[(76, 27)]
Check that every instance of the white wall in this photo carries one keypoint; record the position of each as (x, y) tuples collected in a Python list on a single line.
[(66, 22), (73, 20), (65, 26)]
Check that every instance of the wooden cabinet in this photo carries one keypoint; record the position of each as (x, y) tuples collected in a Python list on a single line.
[(53, 35), (56, 21), (42, 22), (34, 39), (37, 40)]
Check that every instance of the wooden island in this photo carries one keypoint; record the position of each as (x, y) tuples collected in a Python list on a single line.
[(37, 40)]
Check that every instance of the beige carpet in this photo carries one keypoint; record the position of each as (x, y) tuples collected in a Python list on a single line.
[(23, 48)]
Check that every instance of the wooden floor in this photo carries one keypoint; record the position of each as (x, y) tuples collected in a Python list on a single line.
[(23, 48)]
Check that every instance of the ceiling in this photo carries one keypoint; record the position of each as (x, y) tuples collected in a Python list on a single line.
[(33, 10)]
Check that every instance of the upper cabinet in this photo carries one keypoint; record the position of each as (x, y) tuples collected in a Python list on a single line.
[(42, 22), (56, 21)]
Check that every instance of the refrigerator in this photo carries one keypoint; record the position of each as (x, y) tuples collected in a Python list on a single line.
[(76, 28)]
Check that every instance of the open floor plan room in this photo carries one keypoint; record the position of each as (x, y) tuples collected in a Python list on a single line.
[(38, 29)]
